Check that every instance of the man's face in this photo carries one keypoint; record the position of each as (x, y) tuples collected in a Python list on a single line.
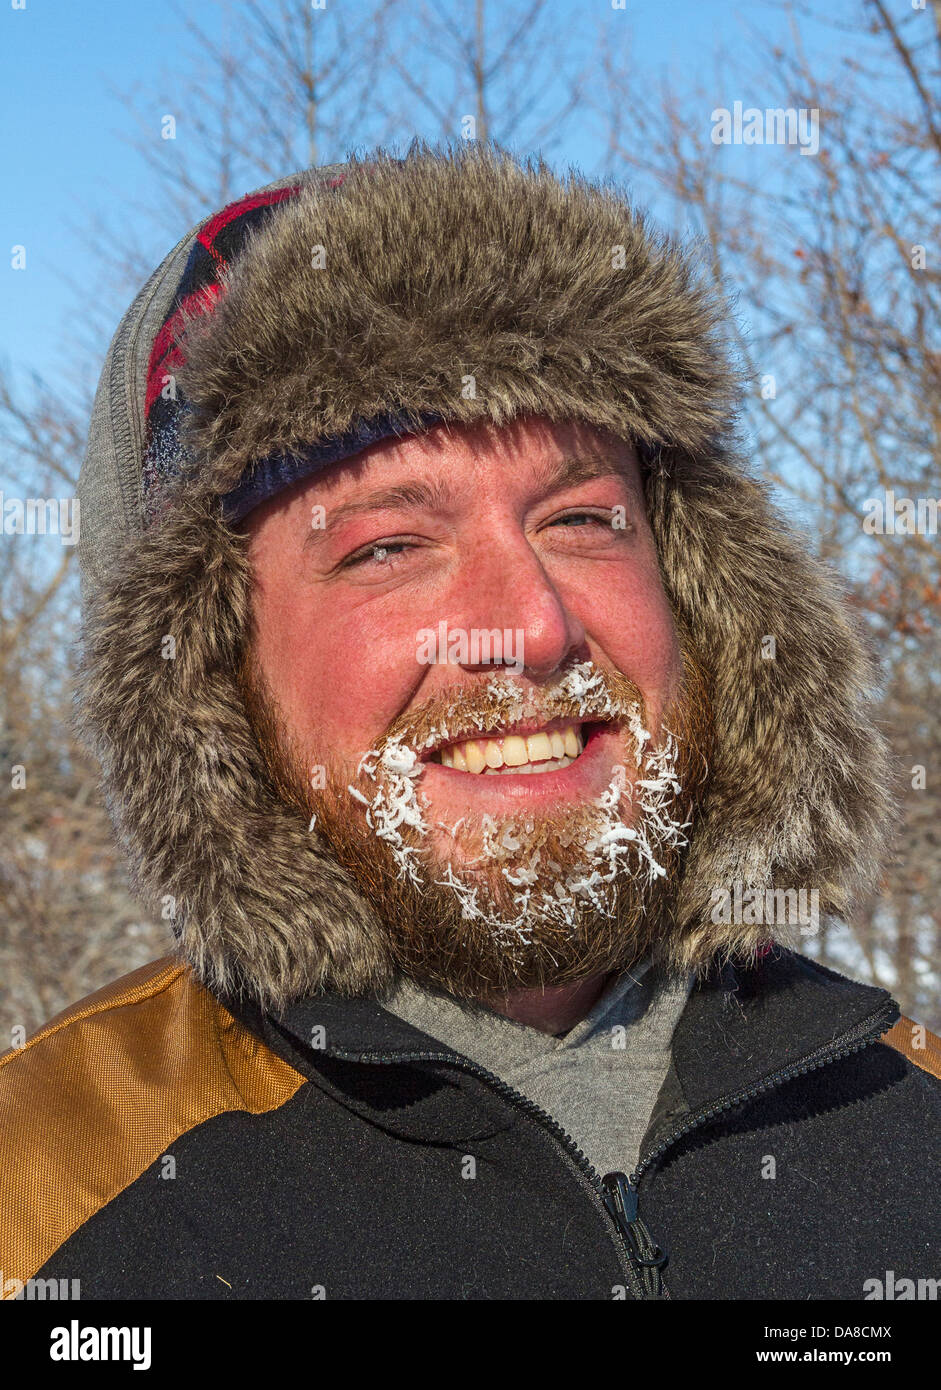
[(465, 666)]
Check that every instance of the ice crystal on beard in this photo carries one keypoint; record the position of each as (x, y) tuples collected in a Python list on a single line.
[(394, 769), (586, 684), (451, 829), (510, 705), (583, 686), (658, 792), (608, 852)]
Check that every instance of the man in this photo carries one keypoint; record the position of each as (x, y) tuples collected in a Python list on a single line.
[(482, 731)]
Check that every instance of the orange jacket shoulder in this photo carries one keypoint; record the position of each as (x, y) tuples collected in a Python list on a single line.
[(916, 1043), (101, 1091)]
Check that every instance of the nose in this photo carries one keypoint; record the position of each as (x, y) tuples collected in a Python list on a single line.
[(503, 586)]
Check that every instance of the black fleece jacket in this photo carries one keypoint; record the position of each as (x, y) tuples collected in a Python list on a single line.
[(791, 1154)]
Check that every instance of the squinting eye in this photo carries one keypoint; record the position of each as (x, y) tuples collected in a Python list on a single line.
[(578, 518), (378, 554)]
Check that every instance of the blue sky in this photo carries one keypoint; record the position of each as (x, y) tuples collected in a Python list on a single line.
[(69, 161)]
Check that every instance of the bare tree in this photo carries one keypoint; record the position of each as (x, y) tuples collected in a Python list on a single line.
[(67, 915), (832, 260), (490, 70)]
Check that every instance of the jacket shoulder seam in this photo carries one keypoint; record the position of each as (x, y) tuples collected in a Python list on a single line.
[(78, 1013), (95, 1109), (926, 1055)]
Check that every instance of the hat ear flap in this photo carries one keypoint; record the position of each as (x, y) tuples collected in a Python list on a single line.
[(255, 900), (799, 791)]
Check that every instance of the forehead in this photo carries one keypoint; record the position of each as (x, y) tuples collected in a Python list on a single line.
[(448, 462)]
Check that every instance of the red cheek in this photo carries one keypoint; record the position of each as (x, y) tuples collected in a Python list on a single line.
[(629, 622), (341, 678)]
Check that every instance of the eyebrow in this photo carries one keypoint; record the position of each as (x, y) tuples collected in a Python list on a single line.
[(581, 469), (568, 471)]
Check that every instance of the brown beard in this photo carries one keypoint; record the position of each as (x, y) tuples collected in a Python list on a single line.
[(430, 938)]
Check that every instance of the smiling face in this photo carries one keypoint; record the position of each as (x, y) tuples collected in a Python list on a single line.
[(464, 664)]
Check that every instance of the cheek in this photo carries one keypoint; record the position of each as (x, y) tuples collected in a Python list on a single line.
[(631, 622), (341, 676)]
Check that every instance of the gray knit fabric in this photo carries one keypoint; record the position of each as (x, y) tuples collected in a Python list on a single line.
[(109, 483), (599, 1082)]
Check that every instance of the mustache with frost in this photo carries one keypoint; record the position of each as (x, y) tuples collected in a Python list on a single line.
[(534, 898), (585, 693)]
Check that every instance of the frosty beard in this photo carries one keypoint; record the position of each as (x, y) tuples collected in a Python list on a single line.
[(532, 900)]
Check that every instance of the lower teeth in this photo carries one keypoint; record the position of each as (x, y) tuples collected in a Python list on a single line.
[(550, 766)]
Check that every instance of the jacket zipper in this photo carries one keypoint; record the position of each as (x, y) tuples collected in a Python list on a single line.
[(870, 1030), (641, 1258), (586, 1170)]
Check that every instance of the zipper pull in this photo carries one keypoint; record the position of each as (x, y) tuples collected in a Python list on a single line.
[(620, 1197)]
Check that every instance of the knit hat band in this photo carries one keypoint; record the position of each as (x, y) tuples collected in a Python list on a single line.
[(270, 475)]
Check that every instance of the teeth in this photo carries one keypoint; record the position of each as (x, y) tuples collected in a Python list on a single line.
[(476, 762), (538, 747), (515, 752), (551, 766), (539, 752)]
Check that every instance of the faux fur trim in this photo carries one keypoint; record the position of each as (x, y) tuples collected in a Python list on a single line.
[(556, 298), (438, 268), (254, 900)]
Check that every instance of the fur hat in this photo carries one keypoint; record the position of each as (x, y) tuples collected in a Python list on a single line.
[(384, 295)]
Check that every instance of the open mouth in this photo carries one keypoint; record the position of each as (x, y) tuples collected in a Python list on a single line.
[(542, 748)]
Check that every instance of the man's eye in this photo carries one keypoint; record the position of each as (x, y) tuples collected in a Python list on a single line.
[(380, 553), (580, 518)]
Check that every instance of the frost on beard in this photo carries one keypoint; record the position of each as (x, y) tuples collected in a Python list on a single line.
[(395, 771), (542, 892)]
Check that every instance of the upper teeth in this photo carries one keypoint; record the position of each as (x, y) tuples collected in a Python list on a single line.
[(515, 751)]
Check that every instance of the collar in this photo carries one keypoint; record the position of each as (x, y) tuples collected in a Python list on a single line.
[(740, 1028), (502, 1044)]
